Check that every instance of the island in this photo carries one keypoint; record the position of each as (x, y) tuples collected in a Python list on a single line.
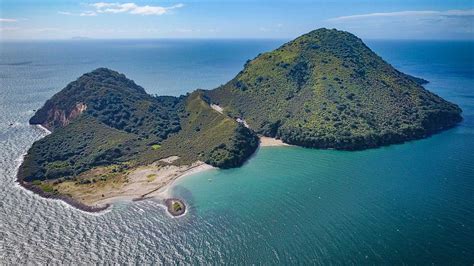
[(175, 207), (110, 140)]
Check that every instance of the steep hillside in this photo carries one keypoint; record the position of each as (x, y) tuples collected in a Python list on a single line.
[(213, 137), (119, 124), (115, 101), (327, 89)]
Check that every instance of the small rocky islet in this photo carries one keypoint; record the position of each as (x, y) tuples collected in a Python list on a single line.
[(175, 207), (325, 89)]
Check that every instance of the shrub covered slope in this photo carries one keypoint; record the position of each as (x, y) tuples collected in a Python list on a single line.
[(327, 89), (118, 123)]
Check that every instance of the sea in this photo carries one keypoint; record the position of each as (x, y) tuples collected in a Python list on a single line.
[(411, 203)]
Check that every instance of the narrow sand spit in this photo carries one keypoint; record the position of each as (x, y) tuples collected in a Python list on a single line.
[(150, 181)]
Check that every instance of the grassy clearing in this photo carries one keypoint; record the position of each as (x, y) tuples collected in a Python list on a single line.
[(151, 178)]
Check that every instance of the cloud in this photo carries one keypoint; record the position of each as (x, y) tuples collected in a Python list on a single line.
[(82, 14), (45, 29), (406, 14), (419, 24), (116, 8), (8, 20), (88, 14), (9, 29), (132, 8)]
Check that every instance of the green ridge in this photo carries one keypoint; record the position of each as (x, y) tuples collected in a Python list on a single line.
[(125, 126), (327, 89)]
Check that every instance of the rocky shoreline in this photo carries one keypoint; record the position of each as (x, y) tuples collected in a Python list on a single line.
[(70, 201), (158, 193), (175, 207)]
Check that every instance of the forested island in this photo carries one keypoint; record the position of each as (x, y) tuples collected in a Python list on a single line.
[(325, 89)]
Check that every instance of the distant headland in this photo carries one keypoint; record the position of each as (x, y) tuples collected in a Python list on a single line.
[(111, 140)]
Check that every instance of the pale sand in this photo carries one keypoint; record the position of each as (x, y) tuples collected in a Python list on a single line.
[(271, 142), (217, 108), (140, 186), (151, 181), (170, 159)]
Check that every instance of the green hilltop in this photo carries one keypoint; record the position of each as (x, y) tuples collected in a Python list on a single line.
[(121, 124), (325, 89)]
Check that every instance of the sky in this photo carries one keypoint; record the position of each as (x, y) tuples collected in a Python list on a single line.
[(135, 19)]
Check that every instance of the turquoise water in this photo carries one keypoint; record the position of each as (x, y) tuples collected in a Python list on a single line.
[(406, 203), (409, 203)]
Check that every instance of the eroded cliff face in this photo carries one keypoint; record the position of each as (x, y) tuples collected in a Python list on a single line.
[(57, 117)]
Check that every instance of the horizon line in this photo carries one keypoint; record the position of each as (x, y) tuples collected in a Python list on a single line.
[(86, 39)]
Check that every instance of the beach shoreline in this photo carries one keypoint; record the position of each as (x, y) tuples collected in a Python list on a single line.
[(133, 191), (161, 187), (272, 142), (138, 186)]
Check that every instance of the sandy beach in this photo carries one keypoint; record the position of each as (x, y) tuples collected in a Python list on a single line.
[(144, 182), (271, 142)]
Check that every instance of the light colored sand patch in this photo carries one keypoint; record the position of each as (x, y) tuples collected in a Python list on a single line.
[(217, 108), (165, 191), (269, 142), (140, 186), (170, 159), (143, 182)]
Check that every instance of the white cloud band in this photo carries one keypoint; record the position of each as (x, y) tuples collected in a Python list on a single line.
[(7, 20), (132, 8), (425, 13), (424, 24)]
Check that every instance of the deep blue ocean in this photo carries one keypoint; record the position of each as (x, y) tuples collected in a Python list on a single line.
[(403, 204)]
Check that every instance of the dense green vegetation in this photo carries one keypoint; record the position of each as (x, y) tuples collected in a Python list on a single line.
[(115, 101), (72, 149), (123, 125), (327, 89), (214, 137)]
